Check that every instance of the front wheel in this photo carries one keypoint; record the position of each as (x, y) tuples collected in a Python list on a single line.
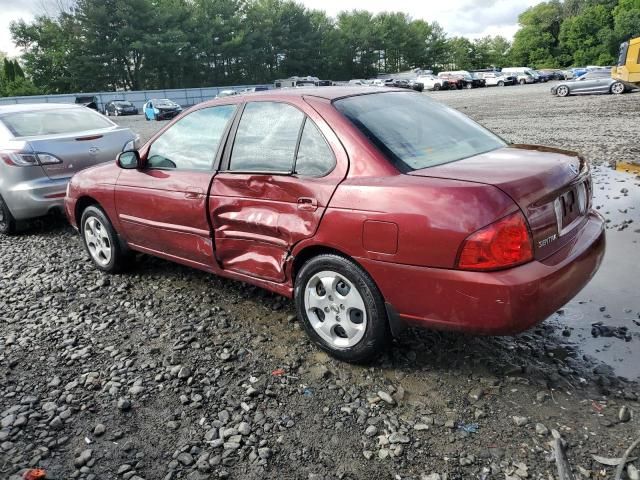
[(436, 87), (101, 241), (617, 88), (562, 91), (501, 83), (341, 308), (7, 222), (523, 81)]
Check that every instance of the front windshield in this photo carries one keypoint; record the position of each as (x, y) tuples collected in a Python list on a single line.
[(164, 103), (415, 132), (123, 104)]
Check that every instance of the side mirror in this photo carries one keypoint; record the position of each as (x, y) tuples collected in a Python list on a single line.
[(129, 160)]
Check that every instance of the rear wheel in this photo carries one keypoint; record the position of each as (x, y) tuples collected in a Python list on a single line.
[(341, 308), (436, 87), (101, 241), (7, 222), (523, 81), (501, 83), (562, 91), (617, 88)]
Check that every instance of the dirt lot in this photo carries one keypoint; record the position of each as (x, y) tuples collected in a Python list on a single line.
[(167, 373)]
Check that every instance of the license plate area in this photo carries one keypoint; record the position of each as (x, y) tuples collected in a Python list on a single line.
[(570, 208)]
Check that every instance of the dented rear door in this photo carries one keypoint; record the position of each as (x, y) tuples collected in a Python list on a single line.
[(266, 198)]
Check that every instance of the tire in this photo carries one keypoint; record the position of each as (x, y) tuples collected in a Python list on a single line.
[(101, 241), (617, 88), (469, 86), (345, 295), (522, 81), (7, 222), (436, 87), (562, 91), (501, 83)]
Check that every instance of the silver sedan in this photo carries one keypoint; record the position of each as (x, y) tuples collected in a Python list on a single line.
[(41, 147), (597, 81)]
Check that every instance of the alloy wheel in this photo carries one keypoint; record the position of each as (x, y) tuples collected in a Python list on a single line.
[(98, 241), (617, 88), (562, 91), (336, 309)]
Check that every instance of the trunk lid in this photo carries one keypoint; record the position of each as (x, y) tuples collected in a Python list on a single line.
[(80, 150), (552, 187)]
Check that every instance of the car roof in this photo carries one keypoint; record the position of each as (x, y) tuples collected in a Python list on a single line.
[(328, 93), (32, 107)]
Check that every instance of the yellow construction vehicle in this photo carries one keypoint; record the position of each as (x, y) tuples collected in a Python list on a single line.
[(628, 68)]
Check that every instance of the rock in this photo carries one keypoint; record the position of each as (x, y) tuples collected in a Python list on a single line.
[(82, 459), (633, 472), (265, 453), (431, 476), (421, 426), (185, 458), (520, 421), (8, 421), (184, 373), (99, 430), (476, 394), (542, 396), (371, 431), (56, 423), (123, 469), (541, 429), (319, 372), (385, 397), (624, 415), (399, 438), (368, 454), (244, 428), (124, 404)]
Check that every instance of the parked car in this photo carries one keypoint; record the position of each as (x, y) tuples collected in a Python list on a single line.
[(120, 107), (542, 77), (468, 80), (554, 74), (89, 101), (477, 80), (41, 147), (431, 82), (597, 81), (260, 88), (227, 93), (455, 81), (331, 198), (523, 75), (578, 71), (161, 109), (496, 79)]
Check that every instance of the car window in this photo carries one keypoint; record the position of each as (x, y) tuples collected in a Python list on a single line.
[(53, 121), (315, 157), (266, 138), (192, 142), (415, 132)]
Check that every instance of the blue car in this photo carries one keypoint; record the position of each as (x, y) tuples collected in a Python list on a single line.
[(578, 71), (161, 109)]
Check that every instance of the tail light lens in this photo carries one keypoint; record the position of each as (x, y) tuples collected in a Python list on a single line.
[(21, 159), (503, 244)]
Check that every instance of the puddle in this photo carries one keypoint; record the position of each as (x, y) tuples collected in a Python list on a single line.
[(613, 296)]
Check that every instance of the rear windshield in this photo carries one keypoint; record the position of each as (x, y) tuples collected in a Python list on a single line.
[(415, 132), (53, 122)]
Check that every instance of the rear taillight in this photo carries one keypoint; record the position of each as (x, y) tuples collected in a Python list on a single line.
[(17, 159), (502, 244), (20, 159)]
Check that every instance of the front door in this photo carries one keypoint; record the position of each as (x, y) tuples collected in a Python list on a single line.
[(162, 208), (275, 184)]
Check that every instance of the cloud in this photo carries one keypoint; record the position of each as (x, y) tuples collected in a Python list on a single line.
[(13, 10)]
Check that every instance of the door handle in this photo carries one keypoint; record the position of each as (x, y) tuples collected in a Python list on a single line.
[(308, 204), (193, 192)]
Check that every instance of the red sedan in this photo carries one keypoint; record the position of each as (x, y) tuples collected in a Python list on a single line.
[(373, 208)]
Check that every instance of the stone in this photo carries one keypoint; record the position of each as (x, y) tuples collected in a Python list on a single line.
[(185, 458), (520, 421), (624, 415), (399, 438), (99, 430), (184, 372), (385, 397), (124, 404), (371, 431), (541, 429), (82, 459)]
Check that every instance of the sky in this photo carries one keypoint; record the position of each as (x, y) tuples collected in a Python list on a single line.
[(469, 18)]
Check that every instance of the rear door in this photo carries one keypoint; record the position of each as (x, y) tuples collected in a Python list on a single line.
[(277, 179), (162, 208)]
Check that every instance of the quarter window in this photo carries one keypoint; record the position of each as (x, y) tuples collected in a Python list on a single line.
[(267, 138), (315, 158), (192, 142)]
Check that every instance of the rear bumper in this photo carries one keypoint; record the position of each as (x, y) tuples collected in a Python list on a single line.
[(36, 198), (497, 303)]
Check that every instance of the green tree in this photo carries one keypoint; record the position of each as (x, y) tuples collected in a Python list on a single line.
[(626, 19), (536, 42), (588, 37)]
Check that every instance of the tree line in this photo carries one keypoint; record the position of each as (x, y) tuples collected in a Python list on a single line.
[(99, 45)]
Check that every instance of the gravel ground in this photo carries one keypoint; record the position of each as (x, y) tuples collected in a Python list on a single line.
[(166, 373)]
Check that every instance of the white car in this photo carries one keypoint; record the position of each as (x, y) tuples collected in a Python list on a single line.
[(494, 79), (430, 82)]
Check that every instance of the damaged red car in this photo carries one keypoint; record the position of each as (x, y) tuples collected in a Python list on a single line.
[(373, 210)]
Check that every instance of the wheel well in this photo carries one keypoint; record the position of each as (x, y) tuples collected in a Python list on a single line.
[(314, 251), (81, 205)]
